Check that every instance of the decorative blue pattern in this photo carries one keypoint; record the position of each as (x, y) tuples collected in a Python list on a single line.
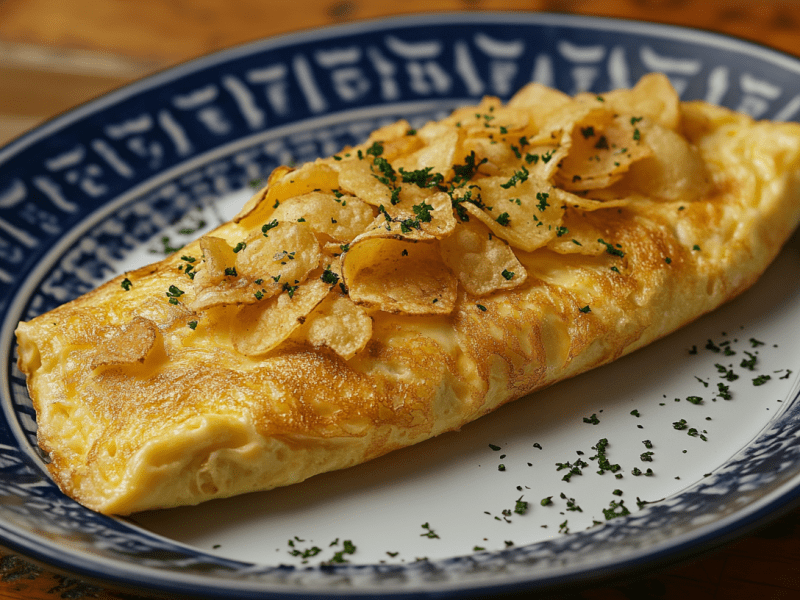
[(84, 190)]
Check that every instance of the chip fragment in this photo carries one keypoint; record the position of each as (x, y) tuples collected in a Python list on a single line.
[(482, 262), (261, 327), (398, 274)]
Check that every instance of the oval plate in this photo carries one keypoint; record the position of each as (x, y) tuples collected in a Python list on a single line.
[(702, 424)]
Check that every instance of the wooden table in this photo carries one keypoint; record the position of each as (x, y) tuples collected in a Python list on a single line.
[(55, 54)]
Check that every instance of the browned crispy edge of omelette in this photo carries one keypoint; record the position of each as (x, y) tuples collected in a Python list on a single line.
[(186, 418)]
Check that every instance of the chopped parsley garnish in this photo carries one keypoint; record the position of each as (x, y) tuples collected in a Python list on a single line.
[(518, 177), (761, 379), (192, 324), (509, 275), (521, 507), (585, 309), (329, 276), (267, 226), (749, 363), (429, 533), (239, 247), (503, 219), (376, 149), (593, 420), (423, 212), (348, 548), (422, 177), (126, 284), (542, 199), (465, 172), (616, 509), (611, 249), (726, 373), (231, 271), (174, 293)]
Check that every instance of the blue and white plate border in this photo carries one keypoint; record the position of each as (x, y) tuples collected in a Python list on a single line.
[(65, 157)]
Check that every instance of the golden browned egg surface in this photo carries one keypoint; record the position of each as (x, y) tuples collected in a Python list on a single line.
[(404, 287)]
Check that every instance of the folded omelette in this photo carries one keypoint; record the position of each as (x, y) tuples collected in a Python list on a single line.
[(404, 287)]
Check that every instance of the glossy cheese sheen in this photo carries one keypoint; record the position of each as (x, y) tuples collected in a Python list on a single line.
[(184, 417)]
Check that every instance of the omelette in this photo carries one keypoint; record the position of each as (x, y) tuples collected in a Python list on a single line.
[(406, 286)]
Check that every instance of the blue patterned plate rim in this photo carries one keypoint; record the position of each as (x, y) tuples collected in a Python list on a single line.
[(782, 496)]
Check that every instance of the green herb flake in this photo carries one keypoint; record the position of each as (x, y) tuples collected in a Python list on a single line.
[(541, 198), (126, 284), (518, 177), (521, 507), (593, 420), (429, 533), (267, 226), (611, 249), (347, 548), (761, 380), (616, 509), (329, 276)]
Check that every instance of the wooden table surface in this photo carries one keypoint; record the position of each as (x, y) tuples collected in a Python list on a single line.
[(55, 54)]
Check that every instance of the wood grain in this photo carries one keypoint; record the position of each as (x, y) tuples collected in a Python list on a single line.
[(56, 54)]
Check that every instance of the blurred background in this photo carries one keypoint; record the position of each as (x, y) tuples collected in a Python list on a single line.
[(56, 54)]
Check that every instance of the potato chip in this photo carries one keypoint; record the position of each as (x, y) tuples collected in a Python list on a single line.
[(361, 178), (601, 152), (338, 217), (124, 344), (339, 324), (259, 196), (539, 99), (260, 327), (218, 257), (285, 183), (421, 214), (285, 252), (652, 97), (523, 210), (577, 235), (216, 281), (482, 262), (489, 119), (437, 155), (398, 275), (674, 171)]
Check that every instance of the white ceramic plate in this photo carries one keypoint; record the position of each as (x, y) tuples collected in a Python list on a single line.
[(111, 185)]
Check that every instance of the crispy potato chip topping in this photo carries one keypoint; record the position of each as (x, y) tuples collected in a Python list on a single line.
[(400, 222)]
